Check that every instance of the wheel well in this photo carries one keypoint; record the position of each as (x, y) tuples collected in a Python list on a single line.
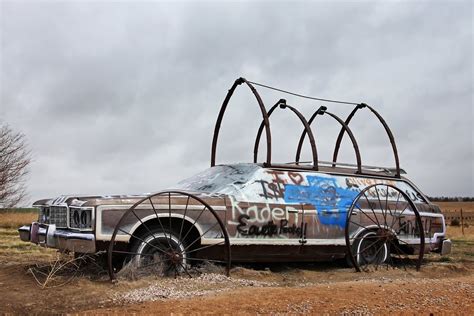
[(189, 230), (372, 228)]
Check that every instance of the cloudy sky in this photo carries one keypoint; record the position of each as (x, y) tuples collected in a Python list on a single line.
[(123, 97)]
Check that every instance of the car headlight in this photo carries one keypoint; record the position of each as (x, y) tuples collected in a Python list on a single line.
[(43, 215), (80, 217)]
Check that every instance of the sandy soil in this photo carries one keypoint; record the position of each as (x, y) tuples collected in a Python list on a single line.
[(441, 287), (445, 285), (379, 295)]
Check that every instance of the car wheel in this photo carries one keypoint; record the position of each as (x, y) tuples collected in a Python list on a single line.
[(370, 249), (158, 251), (383, 227), (169, 233)]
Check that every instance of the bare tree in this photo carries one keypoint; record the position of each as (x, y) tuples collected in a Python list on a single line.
[(15, 158)]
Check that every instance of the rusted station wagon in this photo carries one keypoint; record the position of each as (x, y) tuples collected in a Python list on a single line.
[(256, 212)]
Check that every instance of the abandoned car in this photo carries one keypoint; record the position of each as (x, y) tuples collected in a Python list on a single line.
[(255, 212)]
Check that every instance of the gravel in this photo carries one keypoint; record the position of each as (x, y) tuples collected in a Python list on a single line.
[(183, 287)]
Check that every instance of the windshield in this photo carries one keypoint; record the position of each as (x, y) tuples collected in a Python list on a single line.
[(223, 179)]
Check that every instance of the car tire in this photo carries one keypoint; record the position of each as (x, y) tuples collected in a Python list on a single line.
[(161, 250), (369, 250)]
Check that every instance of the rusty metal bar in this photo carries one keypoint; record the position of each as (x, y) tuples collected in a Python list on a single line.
[(321, 111), (387, 130), (221, 115), (260, 129), (307, 130), (283, 105)]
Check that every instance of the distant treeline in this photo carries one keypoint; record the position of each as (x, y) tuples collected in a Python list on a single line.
[(451, 198)]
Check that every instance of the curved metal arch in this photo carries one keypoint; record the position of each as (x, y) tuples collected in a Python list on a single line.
[(307, 129), (322, 111), (217, 127), (260, 129), (387, 130)]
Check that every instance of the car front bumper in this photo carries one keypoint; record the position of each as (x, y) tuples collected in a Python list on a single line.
[(65, 240)]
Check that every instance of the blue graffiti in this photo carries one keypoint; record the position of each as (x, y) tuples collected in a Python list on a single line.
[(330, 200)]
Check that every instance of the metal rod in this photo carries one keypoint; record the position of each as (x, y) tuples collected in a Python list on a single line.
[(345, 164), (307, 130), (221, 115), (387, 130), (322, 111), (260, 130)]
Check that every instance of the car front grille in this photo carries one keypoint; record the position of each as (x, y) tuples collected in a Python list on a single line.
[(54, 215)]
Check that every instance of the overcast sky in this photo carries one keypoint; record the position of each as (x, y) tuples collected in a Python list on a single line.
[(123, 97)]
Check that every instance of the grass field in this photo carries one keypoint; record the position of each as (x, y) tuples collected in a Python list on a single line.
[(444, 284), (12, 249), (452, 210), (12, 219), (452, 206), (19, 210)]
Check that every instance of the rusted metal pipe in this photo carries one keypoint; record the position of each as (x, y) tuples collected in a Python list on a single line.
[(221, 115), (307, 130), (283, 105), (387, 130), (260, 130), (321, 111)]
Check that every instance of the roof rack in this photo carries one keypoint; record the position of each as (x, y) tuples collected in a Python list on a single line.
[(265, 125), (365, 168)]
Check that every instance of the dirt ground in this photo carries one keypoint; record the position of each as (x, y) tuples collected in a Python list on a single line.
[(445, 285)]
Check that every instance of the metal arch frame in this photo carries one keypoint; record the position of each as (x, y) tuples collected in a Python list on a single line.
[(307, 130), (266, 125), (321, 111), (387, 130), (266, 121)]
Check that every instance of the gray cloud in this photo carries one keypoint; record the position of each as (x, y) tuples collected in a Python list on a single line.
[(123, 97)]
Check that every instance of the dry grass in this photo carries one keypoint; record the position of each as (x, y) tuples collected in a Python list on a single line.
[(15, 220), (452, 206), (463, 245), (452, 211), (13, 250), (455, 232)]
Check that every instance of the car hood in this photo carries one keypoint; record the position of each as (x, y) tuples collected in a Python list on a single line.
[(115, 199)]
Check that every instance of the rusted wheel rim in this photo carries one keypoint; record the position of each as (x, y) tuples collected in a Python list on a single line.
[(171, 244), (384, 228)]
